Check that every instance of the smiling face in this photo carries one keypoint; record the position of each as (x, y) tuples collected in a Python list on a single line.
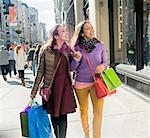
[(62, 34), (88, 31)]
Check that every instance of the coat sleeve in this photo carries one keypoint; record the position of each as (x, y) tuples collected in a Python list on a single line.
[(40, 74)]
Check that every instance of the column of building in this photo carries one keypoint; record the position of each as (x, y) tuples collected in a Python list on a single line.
[(2, 33)]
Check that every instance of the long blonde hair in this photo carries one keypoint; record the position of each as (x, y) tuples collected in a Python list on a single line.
[(77, 33), (51, 40), (17, 48)]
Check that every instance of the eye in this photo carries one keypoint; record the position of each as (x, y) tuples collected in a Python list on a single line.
[(88, 28), (63, 30)]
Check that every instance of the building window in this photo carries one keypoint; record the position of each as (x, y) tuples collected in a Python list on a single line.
[(146, 32), (120, 14), (86, 9), (127, 30)]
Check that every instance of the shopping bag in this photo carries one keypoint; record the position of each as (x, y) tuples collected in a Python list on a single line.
[(24, 124), (38, 122), (111, 79), (100, 87), (24, 120)]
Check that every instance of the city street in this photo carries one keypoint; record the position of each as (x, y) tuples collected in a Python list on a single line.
[(126, 114)]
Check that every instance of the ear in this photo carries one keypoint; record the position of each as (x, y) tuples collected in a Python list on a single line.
[(82, 34), (56, 36)]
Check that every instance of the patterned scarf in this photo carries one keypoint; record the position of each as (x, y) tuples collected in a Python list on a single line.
[(88, 45)]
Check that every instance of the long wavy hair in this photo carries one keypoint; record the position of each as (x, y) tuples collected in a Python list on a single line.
[(51, 39), (78, 33), (17, 48)]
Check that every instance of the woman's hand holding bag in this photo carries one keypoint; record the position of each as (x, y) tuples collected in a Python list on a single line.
[(99, 69), (45, 93)]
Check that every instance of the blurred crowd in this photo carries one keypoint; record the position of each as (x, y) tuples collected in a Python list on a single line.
[(16, 59)]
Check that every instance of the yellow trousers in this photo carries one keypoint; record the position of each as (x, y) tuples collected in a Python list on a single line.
[(83, 96)]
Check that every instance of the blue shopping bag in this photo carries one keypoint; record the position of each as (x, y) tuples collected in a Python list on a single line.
[(38, 123)]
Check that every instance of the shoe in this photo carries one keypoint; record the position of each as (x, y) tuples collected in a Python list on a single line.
[(5, 79), (23, 82)]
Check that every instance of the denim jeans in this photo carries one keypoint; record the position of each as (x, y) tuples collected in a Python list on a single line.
[(12, 66), (4, 69), (33, 66)]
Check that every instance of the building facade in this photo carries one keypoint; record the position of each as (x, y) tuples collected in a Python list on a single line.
[(124, 27), (42, 38), (2, 31), (25, 27), (65, 14)]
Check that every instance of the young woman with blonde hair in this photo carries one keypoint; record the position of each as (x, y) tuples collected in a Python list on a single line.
[(20, 59), (55, 57), (84, 40)]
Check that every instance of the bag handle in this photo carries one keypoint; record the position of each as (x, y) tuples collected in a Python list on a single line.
[(54, 73), (31, 102), (91, 70), (50, 85), (89, 63)]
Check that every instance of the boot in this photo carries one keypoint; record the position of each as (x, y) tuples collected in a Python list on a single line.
[(23, 82), (5, 78)]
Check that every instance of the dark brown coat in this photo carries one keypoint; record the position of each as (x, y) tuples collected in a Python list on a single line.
[(62, 100), (45, 70)]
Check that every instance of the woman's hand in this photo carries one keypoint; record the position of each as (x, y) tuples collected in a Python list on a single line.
[(99, 69), (77, 55), (32, 96)]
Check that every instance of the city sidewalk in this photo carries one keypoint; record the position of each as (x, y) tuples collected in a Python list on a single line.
[(126, 114)]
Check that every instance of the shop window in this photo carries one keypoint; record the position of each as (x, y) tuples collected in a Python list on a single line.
[(86, 9), (146, 32), (127, 31)]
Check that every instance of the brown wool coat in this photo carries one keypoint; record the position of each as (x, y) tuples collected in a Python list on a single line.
[(46, 69)]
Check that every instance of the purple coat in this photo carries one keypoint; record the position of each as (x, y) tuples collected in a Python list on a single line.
[(96, 57)]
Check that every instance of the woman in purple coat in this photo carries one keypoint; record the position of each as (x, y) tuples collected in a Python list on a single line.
[(84, 82), (55, 57)]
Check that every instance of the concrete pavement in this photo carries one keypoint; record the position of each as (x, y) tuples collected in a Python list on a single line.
[(126, 114)]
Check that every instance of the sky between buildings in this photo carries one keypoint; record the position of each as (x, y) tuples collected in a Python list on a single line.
[(45, 10)]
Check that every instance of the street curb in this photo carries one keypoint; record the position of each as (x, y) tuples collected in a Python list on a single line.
[(136, 92)]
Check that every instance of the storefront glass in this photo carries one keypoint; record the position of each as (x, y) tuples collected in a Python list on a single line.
[(129, 30), (146, 32)]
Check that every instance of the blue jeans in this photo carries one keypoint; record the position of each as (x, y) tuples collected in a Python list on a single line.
[(33, 66)]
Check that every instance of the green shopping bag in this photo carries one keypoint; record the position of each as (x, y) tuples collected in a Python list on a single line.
[(111, 79)]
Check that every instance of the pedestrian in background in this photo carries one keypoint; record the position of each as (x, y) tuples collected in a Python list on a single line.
[(12, 62), (31, 59), (4, 63), (36, 55), (20, 58), (55, 55), (84, 83)]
